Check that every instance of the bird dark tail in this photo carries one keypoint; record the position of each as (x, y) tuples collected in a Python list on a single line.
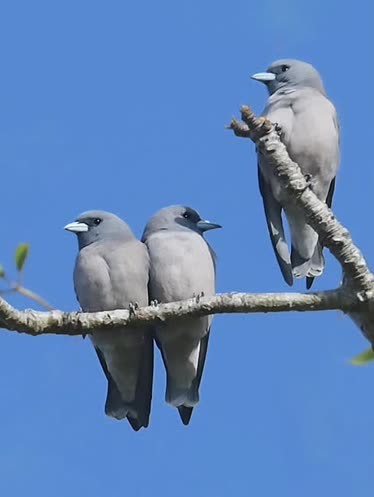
[(136, 412), (185, 414), (308, 268)]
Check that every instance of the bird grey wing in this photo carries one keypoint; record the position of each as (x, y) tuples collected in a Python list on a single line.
[(330, 193), (160, 348), (136, 410), (213, 255), (144, 386), (318, 259), (186, 412), (114, 400), (273, 214), (76, 293), (192, 393), (336, 122)]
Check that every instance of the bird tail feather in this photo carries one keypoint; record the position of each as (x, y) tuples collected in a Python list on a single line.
[(114, 405), (177, 396), (117, 408), (309, 268)]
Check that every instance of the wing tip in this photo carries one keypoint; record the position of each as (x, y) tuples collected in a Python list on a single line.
[(185, 414), (136, 424), (309, 282), (288, 278)]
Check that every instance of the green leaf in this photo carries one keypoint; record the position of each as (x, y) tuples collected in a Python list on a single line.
[(21, 254), (363, 358), (2, 272)]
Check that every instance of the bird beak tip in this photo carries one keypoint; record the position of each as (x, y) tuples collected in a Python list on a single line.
[(205, 225), (263, 77), (76, 227)]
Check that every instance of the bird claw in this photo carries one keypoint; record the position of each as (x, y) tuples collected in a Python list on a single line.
[(133, 307), (198, 297), (278, 129), (308, 179)]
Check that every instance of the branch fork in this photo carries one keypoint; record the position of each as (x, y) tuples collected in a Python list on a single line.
[(355, 296)]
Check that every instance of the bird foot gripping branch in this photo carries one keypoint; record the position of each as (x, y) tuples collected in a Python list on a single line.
[(133, 307), (198, 297)]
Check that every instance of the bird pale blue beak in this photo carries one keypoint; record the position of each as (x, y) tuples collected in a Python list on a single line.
[(205, 225), (76, 227), (264, 77)]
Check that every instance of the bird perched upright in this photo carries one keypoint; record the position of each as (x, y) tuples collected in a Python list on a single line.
[(310, 131), (111, 272), (182, 265)]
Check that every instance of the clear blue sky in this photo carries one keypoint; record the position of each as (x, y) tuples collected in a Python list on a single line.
[(122, 106)]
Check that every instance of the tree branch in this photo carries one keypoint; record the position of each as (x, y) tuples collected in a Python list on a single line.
[(80, 323), (333, 235), (355, 297)]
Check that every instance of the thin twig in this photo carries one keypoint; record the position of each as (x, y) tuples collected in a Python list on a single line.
[(33, 296), (15, 287)]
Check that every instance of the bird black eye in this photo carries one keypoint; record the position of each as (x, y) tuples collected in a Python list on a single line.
[(187, 215), (284, 68), (97, 221)]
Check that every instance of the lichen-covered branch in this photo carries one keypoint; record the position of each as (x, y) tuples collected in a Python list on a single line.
[(79, 323), (355, 297), (333, 235)]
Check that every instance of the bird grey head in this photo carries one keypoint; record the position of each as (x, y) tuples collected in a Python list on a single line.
[(178, 218), (93, 226), (289, 74)]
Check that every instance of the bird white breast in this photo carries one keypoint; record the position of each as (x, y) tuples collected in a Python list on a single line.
[(310, 133), (181, 266)]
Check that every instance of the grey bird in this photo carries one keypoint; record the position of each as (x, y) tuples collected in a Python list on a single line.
[(309, 128), (111, 272), (182, 265)]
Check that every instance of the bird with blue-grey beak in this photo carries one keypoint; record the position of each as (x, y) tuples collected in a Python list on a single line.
[(111, 272), (182, 265), (309, 129)]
